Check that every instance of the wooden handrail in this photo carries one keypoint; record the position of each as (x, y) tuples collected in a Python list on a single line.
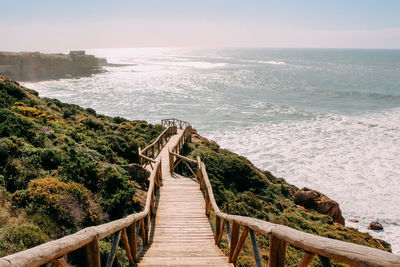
[(46, 252), (90, 236), (175, 122), (158, 144), (325, 248)]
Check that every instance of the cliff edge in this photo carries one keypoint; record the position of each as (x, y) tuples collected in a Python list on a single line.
[(35, 66)]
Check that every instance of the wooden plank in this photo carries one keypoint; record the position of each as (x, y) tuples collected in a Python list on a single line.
[(306, 259), (217, 228), (60, 262), (132, 241), (127, 247), (239, 245), (93, 253), (234, 238), (221, 232), (277, 252)]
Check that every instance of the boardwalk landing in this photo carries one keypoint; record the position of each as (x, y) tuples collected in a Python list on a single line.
[(182, 234)]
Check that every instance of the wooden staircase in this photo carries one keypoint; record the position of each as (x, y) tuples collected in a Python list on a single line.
[(181, 233)]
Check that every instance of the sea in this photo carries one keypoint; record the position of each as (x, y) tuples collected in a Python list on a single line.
[(327, 119)]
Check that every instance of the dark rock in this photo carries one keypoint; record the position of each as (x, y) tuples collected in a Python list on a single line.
[(311, 199), (353, 220), (375, 226)]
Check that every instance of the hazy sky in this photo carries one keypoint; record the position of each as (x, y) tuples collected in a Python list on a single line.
[(47, 25)]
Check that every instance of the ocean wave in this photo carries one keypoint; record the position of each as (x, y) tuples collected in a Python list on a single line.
[(354, 160), (271, 62)]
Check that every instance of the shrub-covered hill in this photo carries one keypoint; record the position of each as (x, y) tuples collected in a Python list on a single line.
[(61, 167), (242, 189)]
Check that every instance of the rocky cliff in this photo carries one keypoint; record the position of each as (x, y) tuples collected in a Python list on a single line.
[(35, 66)]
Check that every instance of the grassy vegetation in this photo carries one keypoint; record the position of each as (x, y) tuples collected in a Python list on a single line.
[(242, 189), (60, 167)]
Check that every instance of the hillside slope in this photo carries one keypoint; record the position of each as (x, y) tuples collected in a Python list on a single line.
[(63, 167)]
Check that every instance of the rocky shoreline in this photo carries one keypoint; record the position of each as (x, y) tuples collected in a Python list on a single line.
[(35, 66)]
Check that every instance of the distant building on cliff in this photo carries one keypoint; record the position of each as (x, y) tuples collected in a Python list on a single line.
[(77, 53)]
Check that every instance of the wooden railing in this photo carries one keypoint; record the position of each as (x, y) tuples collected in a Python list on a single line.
[(325, 249), (175, 122), (149, 153), (129, 229)]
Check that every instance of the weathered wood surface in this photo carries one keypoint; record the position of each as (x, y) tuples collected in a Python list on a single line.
[(182, 235)]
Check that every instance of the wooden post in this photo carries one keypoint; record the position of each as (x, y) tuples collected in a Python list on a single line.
[(198, 168), (132, 241), (171, 161), (93, 253), (277, 252), (234, 238), (239, 245), (221, 232), (159, 172), (207, 203), (143, 231), (217, 228), (60, 262), (140, 158), (208, 207), (125, 241), (152, 203), (255, 249), (307, 258), (146, 227), (228, 231)]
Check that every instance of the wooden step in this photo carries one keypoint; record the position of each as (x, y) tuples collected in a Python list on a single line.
[(180, 234)]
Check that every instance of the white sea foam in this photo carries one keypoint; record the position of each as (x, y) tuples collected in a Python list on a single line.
[(271, 62), (352, 159)]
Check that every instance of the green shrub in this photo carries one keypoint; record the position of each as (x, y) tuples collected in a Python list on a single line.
[(12, 125), (125, 146), (119, 120), (70, 204), (19, 237), (79, 166), (51, 159), (69, 113), (91, 111), (117, 194), (7, 149), (94, 124), (120, 257), (9, 94)]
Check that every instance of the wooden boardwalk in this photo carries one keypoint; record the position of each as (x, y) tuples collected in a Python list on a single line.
[(181, 234)]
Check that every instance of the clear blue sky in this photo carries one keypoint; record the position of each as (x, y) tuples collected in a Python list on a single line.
[(56, 24)]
